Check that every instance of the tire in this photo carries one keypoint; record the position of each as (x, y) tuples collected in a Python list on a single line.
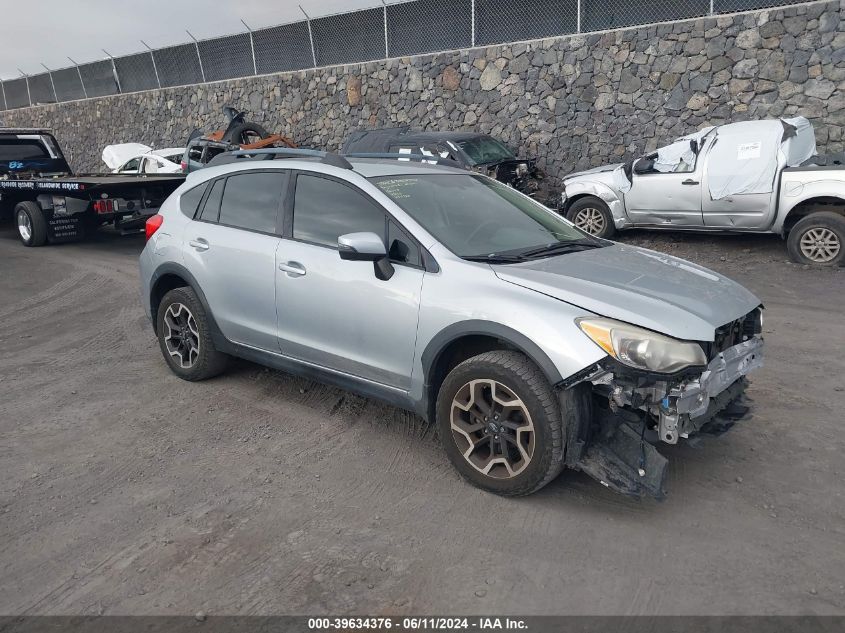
[(237, 134), (511, 374), (592, 215), (30, 223), (190, 351), (818, 239)]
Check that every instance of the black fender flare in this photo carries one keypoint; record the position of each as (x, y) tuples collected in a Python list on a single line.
[(172, 268), (440, 341)]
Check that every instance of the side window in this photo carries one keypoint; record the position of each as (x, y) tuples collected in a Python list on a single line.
[(326, 209), (195, 153), (211, 152), (211, 210), (403, 249), (132, 165), (189, 201), (251, 200)]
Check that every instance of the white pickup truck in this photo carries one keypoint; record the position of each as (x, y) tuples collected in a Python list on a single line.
[(754, 176)]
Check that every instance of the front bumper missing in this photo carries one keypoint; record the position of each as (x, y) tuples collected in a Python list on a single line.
[(618, 448)]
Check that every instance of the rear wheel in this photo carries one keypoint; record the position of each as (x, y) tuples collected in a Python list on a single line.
[(31, 224), (818, 239), (500, 423), (184, 337), (592, 215)]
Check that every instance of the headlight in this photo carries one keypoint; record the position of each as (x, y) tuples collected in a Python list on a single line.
[(640, 348)]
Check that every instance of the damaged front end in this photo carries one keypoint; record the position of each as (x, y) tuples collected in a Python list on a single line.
[(626, 412), (524, 176)]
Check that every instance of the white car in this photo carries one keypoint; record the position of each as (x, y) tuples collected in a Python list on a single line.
[(136, 158)]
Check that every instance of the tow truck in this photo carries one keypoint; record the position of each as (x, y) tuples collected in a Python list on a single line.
[(50, 204)]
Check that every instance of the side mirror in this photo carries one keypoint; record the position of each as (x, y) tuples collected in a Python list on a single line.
[(361, 247), (366, 247)]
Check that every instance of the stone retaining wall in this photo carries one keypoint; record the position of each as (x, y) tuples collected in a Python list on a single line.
[(574, 101)]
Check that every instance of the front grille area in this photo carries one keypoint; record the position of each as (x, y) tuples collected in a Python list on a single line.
[(736, 332)]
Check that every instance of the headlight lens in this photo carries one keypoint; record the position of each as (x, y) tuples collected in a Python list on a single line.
[(640, 348)]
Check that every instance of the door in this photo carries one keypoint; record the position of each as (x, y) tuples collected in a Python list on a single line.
[(665, 198), (335, 313), (231, 250)]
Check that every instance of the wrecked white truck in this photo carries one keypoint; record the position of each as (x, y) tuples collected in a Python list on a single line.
[(754, 176)]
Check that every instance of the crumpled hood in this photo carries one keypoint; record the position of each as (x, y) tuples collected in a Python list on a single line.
[(656, 291), (594, 170)]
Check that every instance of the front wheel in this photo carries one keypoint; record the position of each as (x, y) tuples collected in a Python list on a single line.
[(500, 423), (818, 239), (592, 215), (184, 337)]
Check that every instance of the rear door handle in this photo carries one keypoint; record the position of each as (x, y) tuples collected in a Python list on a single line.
[(293, 269), (200, 244), (689, 182)]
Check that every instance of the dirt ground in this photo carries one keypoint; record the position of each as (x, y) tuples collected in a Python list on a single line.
[(124, 490)]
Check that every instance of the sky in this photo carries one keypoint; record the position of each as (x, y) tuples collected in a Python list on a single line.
[(49, 31)]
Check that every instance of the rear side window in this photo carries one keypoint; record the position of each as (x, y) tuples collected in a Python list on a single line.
[(22, 149), (211, 208), (195, 153), (325, 209), (189, 201), (251, 200)]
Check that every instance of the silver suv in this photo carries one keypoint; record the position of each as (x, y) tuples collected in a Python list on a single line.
[(532, 345)]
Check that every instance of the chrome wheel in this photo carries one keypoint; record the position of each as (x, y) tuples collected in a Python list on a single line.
[(181, 338), (24, 226), (492, 428), (820, 245), (590, 220)]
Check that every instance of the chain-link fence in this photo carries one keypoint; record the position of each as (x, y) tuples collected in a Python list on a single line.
[(394, 29)]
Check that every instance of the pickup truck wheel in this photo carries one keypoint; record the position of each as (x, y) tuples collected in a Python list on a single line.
[(500, 423), (592, 215), (184, 337), (31, 224), (818, 239)]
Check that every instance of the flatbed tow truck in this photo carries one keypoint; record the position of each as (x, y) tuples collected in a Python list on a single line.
[(48, 203)]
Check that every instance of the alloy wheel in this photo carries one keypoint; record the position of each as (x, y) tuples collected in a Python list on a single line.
[(492, 428), (181, 338), (24, 225), (590, 220), (820, 245)]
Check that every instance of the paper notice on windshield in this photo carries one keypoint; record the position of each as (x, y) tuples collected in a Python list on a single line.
[(748, 151)]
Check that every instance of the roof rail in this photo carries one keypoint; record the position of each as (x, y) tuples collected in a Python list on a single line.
[(439, 160), (272, 153)]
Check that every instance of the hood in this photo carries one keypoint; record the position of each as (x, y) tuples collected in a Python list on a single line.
[(115, 155), (594, 170), (655, 291)]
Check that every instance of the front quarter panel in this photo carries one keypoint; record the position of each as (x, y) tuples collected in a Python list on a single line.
[(589, 185), (470, 293)]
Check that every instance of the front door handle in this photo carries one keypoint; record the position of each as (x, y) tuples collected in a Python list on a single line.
[(293, 269), (200, 244), (690, 182)]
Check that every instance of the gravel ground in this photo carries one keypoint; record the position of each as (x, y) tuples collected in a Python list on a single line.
[(124, 490)]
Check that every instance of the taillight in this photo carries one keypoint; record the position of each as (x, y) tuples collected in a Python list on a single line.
[(184, 166), (153, 224), (104, 206)]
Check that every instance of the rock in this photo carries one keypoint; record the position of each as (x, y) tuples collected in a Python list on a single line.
[(451, 78), (819, 88), (746, 68), (415, 80), (604, 101), (629, 83), (200, 616), (490, 78), (749, 38), (698, 101), (480, 593), (519, 64), (353, 90)]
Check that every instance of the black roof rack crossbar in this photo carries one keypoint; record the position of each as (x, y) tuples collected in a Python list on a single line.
[(417, 157), (272, 153)]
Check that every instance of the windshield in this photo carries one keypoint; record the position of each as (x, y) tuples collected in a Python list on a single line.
[(485, 149), (476, 216)]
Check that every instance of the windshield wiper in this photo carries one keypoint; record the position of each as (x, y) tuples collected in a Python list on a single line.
[(559, 248), (493, 258)]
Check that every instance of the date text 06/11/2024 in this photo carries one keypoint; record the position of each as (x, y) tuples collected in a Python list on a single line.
[(428, 623)]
